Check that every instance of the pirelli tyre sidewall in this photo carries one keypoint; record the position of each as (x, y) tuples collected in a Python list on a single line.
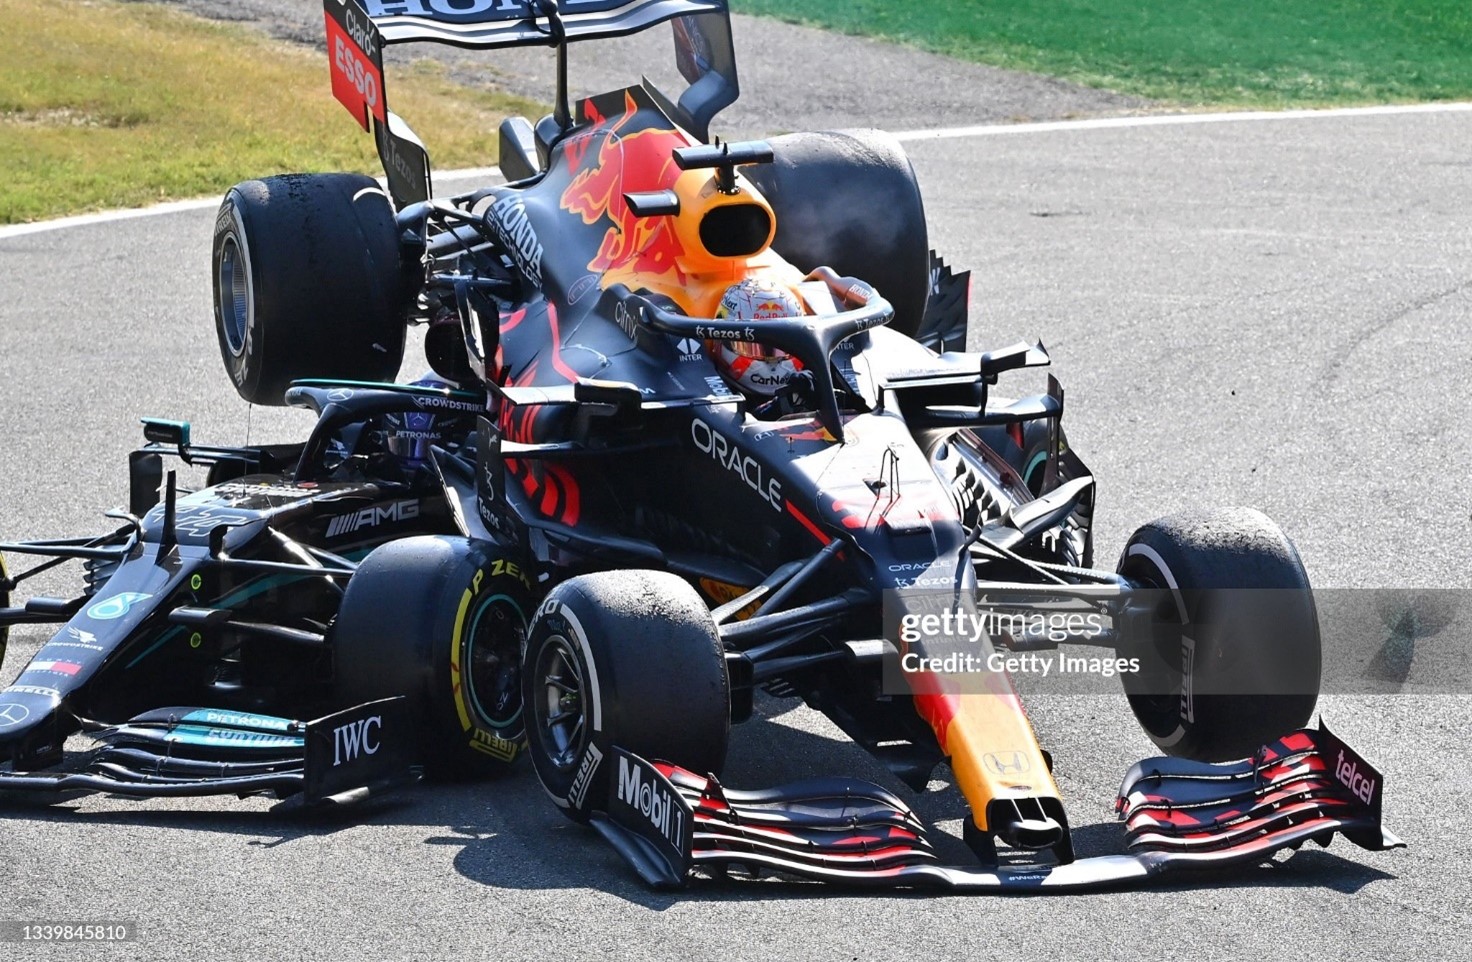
[(442, 620), (626, 658), (307, 282), (1234, 655)]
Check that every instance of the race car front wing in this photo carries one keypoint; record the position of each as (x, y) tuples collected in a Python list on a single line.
[(171, 752), (667, 822)]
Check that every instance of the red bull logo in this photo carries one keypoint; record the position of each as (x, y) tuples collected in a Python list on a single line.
[(639, 161)]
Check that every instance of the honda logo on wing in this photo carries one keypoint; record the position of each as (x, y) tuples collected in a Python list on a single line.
[(1005, 763)]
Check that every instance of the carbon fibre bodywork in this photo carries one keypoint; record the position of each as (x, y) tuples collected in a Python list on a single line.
[(219, 597)]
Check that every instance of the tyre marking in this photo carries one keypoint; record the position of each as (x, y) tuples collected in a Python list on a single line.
[(586, 770), (1175, 589), (1188, 644), (496, 747), (372, 190), (456, 683), (592, 679), (1188, 661)]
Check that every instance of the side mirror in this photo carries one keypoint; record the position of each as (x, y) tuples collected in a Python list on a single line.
[(160, 431)]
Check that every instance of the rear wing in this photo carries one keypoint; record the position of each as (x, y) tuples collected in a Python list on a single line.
[(516, 23), (358, 30)]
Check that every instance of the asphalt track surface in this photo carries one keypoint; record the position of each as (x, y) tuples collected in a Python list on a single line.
[(792, 77), (1270, 314)]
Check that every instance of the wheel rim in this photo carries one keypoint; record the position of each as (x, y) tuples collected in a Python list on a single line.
[(234, 288), (1031, 473), (493, 659), (1164, 703), (561, 707)]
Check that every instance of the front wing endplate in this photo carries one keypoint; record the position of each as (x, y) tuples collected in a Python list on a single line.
[(181, 752)]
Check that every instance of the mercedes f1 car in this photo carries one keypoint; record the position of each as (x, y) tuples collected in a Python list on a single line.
[(626, 501)]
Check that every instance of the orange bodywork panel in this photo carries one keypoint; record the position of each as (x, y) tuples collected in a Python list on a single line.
[(987, 737)]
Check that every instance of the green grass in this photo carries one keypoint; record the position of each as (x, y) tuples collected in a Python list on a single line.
[(104, 104), (1272, 53)]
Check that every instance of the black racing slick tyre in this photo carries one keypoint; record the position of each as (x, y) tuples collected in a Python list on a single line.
[(1231, 658), (441, 620), (307, 283), (848, 199), (626, 658)]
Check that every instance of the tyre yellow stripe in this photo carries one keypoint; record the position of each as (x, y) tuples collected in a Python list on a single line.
[(456, 681)]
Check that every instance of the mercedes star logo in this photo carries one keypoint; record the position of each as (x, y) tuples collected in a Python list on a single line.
[(13, 714)]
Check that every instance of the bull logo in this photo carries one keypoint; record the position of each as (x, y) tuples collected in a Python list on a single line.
[(631, 163)]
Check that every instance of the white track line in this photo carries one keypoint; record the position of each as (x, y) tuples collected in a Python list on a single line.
[(202, 203), (947, 133), (1168, 120), (102, 217)]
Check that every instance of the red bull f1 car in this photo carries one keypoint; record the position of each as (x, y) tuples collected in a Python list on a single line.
[(701, 422)]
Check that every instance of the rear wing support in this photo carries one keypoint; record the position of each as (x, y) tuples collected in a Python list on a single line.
[(355, 52)]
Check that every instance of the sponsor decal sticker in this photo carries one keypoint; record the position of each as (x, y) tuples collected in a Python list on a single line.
[(31, 690), (744, 466), (712, 333), (194, 522), (117, 606), (372, 517), (627, 320), (12, 714), (652, 800), (1005, 763), (719, 388), (76, 638), (632, 245), (55, 667), (592, 758), (353, 49), (1360, 785), (465, 11), (1359, 778), (234, 493), (355, 739), (515, 232), (439, 403), (580, 287), (216, 716)]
